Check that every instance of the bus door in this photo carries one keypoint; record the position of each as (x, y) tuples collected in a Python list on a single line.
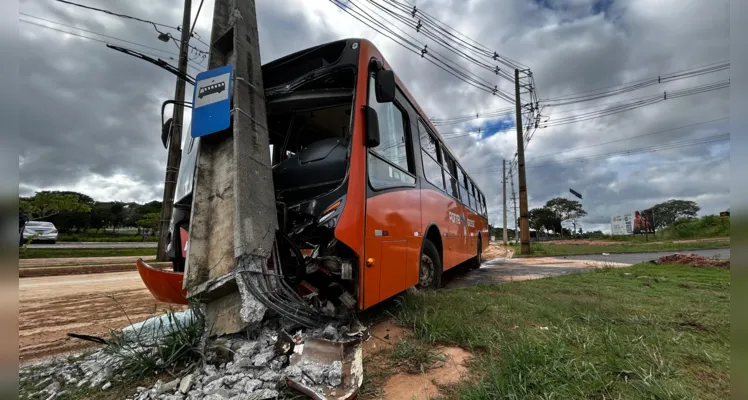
[(393, 206)]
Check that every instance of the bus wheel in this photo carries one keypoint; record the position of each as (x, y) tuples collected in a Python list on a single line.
[(475, 263), (430, 272)]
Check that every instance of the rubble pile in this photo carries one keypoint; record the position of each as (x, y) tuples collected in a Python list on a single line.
[(693, 260), (246, 365)]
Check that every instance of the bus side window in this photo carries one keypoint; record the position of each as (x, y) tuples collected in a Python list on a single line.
[(431, 157), (450, 170), (388, 162), (461, 187)]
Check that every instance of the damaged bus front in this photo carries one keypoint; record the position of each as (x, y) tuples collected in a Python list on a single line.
[(370, 199), (310, 101)]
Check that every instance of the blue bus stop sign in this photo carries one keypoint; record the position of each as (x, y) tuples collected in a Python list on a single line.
[(211, 101)]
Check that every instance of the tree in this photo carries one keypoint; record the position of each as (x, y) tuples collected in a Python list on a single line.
[(666, 213), (150, 221), (541, 219), (47, 203), (565, 210)]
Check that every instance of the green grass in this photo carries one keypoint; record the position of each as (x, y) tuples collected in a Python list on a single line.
[(79, 253), (550, 249), (92, 236), (704, 227), (644, 332)]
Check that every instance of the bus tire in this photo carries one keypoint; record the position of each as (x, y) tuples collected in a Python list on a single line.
[(430, 268), (475, 262)]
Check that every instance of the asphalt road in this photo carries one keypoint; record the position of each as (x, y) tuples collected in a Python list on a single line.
[(519, 269), (635, 258), (95, 245)]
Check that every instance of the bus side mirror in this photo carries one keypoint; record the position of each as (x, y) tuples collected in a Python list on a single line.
[(166, 132), (385, 86), (372, 127)]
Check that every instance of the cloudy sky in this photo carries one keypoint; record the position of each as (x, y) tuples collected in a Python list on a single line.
[(90, 117)]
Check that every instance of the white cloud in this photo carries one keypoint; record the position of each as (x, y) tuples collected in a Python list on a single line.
[(99, 132)]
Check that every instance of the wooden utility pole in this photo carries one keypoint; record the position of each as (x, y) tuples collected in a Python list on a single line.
[(514, 200), (503, 196), (524, 223), (175, 140), (234, 220)]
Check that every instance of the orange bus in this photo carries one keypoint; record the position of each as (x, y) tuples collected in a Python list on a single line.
[(371, 201)]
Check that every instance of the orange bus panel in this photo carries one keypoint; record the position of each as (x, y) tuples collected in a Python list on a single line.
[(165, 286)]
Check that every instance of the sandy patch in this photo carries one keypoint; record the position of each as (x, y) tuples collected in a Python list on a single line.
[(426, 385)]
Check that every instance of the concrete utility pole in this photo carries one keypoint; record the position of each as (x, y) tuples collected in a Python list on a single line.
[(175, 140), (234, 220), (524, 223), (503, 196)]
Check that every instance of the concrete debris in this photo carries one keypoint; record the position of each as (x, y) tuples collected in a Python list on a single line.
[(186, 383), (253, 364), (166, 387)]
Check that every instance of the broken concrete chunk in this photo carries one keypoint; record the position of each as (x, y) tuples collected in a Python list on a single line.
[(251, 384), (210, 370), (330, 332), (247, 350), (167, 387), (213, 386), (314, 371), (186, 383), (270, 375), (264, 358), (278, 363), (293, 372), (265, 394), (335, 373)]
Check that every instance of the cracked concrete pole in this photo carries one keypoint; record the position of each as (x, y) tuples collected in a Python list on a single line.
[(233, 207)]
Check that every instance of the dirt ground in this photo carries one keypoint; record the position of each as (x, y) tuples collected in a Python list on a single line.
[(497, 250), (51, 307), (448, 370), (609, 242)]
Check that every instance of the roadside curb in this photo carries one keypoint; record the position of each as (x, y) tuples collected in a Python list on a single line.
[(82, 270), (618, 253)]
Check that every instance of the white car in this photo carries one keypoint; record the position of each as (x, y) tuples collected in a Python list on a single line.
[(40, 231)]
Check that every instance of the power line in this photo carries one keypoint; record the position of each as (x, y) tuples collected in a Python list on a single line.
[(113, 37), (455, 35), (577, 97), (633, 151), (104, 41), (130, 17), (638, 104), (631, 137), (414, 46), (95, 33), (714, 67), (118, 14)]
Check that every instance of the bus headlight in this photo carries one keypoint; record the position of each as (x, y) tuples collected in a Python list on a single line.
[(330, 212)]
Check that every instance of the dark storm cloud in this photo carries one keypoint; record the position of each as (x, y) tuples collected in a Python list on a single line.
[(91, 113)]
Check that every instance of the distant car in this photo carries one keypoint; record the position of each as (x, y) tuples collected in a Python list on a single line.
[(40, 231)]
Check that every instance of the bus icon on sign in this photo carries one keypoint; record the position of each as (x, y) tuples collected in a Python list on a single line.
[(210, 89)]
